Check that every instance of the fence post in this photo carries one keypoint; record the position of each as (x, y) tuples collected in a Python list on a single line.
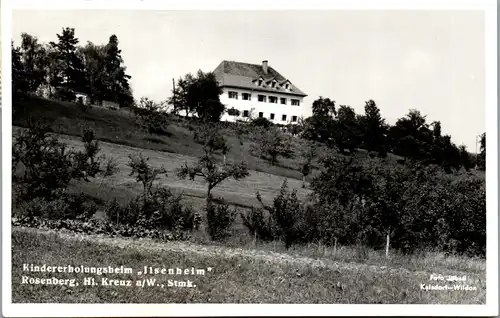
[(387, 244)]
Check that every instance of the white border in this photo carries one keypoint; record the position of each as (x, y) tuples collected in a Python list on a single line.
[(124, 310)]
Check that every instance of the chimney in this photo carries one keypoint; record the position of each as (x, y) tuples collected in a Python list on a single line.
[(264, 66)]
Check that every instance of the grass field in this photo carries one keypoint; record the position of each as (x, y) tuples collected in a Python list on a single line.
[(237, 276)]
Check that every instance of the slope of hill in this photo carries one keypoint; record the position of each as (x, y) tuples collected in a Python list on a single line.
[(120, 127)]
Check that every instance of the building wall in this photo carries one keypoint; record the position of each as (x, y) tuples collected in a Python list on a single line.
[(254, 106)]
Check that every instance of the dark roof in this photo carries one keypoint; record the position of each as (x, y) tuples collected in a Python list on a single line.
[(243, 75)]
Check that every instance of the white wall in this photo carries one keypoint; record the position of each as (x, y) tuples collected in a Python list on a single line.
[(254, 106)]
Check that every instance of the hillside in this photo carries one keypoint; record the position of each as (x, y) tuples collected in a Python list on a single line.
[(120, 127)]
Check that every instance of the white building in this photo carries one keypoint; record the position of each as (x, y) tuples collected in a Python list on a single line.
[(258, 91)]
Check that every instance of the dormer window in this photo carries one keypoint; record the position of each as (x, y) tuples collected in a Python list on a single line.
[(287, 85), (273, 84), (260, 82)]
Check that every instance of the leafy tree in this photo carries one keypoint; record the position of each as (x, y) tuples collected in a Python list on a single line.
[(319, 127), (346, 130), (93, 57), (207, 167), (179, 98), (324, 108), (144, 173), (203, 96), (34, 60), (53, 67), (87, 163), (409, 134), (20, 82), (270, 144), (198, 94), (151, 116)]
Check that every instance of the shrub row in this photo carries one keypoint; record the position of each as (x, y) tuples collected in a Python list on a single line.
[(96, 227), (417, 207), (67, 206)]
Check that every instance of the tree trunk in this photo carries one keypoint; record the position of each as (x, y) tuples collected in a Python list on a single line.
[(224, 159), (303, 181)]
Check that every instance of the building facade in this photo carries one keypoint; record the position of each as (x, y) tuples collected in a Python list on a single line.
[(258, 91)]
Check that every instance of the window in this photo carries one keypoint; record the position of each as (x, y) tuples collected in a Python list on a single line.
[(233, 95), (273, 84), (271, 117), (261, 114), (294, 119), (262, 98), (295, 102), (283, 101), (287, 85), (260, 82), (247, 96), (283, 118), (273, 99), (245, 113)]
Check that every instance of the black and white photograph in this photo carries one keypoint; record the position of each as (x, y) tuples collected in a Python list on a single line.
[(161, 158)]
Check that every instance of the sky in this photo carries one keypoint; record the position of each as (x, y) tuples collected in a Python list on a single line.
[(433, 61)]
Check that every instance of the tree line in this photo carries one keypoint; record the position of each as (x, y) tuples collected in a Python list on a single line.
[(410, 137), (60, 69)]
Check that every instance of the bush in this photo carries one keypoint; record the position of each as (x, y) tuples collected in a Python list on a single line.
[(259, 223), (281, 220), (261, 122), (46, 166), (270, 144), (72, 207), (220, 217), (233, 112), (158, 210)]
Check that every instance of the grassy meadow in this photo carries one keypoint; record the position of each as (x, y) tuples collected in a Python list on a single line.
[(238, 275)]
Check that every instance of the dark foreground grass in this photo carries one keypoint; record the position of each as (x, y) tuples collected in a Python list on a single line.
[(234, 278)]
